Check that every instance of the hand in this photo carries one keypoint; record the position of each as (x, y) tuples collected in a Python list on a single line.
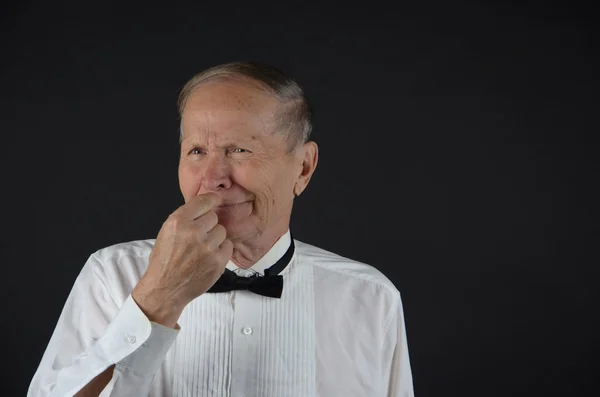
[(189, 256)]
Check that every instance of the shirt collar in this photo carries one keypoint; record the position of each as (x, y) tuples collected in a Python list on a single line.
[(270, 258)]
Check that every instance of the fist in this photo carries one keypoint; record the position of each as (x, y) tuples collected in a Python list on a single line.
[(189, 256)]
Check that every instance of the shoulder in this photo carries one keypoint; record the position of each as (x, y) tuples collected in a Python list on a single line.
[(129, 249), (350, 288), (340, 267), (120, 266)]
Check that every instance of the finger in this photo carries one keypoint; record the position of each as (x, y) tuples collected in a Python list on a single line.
[(215, 237), (200, 205), (226, 248), (205, 223)]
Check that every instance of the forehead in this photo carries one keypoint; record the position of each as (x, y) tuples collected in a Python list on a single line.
[(229, 101)]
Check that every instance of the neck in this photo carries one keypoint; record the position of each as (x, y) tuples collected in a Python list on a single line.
[(246, 252)]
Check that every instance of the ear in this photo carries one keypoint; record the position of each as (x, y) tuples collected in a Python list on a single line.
[(309, 157)]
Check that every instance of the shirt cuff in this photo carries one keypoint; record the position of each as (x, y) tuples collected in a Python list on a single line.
[(134, 342), (147, 358)]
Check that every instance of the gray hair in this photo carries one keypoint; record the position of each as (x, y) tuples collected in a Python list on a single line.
[(294, 116)]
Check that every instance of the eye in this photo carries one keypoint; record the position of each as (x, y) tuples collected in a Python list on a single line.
[(196, 150), (238, 150)]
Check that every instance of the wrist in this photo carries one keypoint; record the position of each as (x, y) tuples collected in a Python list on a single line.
[(157, 306)]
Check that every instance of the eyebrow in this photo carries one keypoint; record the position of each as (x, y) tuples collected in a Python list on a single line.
[(225, 144)]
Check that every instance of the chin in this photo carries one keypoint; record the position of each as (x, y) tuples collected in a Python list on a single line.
[(235, 230)]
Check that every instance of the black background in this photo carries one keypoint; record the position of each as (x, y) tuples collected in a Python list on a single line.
[(457, 155)]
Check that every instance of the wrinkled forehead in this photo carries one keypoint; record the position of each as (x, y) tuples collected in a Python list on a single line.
[(229, 107)]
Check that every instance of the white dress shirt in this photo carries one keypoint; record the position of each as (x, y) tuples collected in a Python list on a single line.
[(337, 331)]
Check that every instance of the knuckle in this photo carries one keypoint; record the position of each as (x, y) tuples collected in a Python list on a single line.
[(174, 217), (173, 220), (205, 247)]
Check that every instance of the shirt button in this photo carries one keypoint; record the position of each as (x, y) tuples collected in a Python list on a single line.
[(246, 330), (130, 339)]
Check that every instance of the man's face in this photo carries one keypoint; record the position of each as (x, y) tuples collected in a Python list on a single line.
[(229, 147)]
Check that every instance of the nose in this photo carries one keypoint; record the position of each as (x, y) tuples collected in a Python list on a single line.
[(216, 174)]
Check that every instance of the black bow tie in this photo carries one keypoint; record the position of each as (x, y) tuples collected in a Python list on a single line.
[(271, 284)]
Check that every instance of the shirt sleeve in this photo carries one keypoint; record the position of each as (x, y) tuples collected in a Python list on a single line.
[(92, 334), (397, 371)]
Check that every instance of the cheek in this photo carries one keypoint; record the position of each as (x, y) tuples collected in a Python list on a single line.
[(272, 187), (258, 180), (251, 179), (189, 183)]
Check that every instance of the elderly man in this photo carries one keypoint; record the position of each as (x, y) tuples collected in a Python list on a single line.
[(224, 302)]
